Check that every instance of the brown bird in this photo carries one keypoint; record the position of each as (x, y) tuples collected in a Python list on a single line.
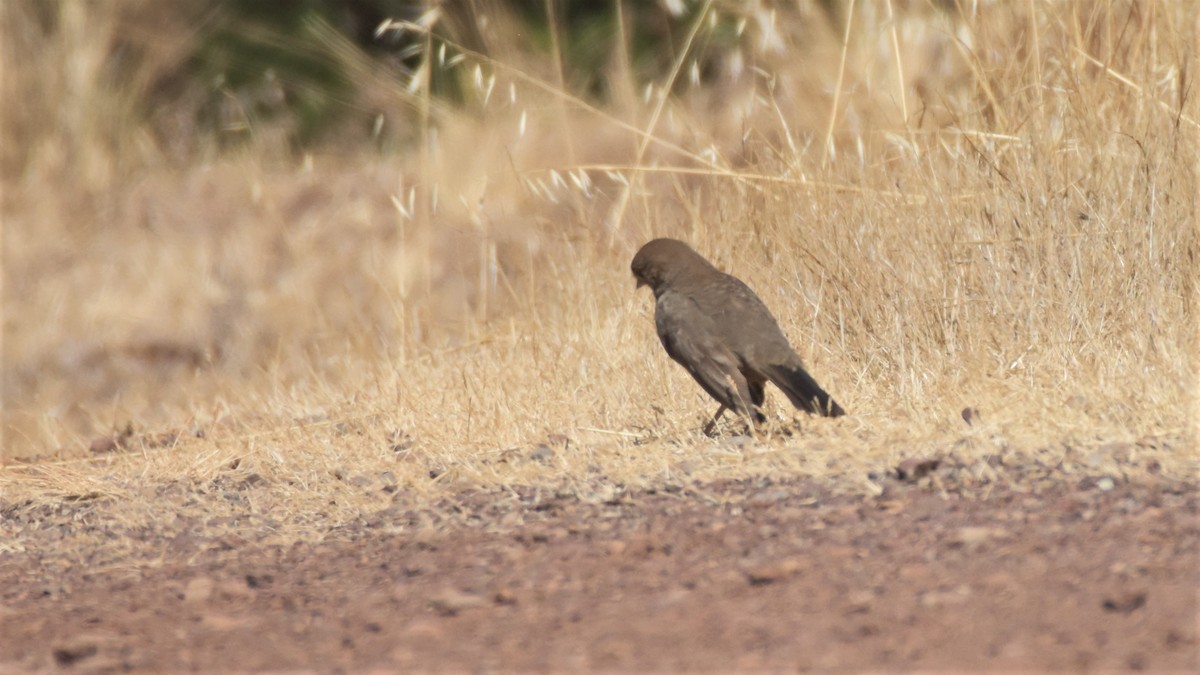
[(714, 326)]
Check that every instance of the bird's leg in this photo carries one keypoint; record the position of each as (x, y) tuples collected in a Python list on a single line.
[(711, 427)]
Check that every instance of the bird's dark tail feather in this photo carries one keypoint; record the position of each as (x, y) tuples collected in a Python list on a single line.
[(803, 391)]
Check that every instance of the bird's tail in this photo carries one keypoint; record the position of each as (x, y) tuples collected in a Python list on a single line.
[(803, 391)]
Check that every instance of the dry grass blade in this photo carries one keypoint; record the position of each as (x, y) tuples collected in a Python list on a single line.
[(616, 216), (355, 324)]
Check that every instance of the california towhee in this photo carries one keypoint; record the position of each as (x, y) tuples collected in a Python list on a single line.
[(713, 325)]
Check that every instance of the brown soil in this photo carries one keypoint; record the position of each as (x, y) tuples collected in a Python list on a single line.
[(1026, 571)]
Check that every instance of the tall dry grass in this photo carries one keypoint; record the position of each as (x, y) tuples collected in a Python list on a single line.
[(991, 207)]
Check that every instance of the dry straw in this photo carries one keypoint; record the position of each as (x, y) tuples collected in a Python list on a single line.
[(1007, 224)]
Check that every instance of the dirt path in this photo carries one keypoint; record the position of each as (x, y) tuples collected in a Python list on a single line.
[(1066, 574)]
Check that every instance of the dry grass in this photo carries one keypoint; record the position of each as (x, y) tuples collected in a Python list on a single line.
[(1022, 241)]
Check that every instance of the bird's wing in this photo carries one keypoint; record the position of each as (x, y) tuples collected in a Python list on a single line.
[(691, 339), (747, 326), (742, 319)]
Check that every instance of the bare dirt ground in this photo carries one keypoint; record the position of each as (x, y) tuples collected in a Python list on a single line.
[(388, 399), (964, 566)]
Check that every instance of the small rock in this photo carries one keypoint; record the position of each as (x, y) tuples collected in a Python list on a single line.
[(916, 468), (861, 600), (685, 467), (400, 441), (1124, 603), (955, 596), (118, 441), (1118, 450), (508, 455), (615, 548), (223, 622), (971, 416), (234, 589), (970, 536), (761, 574), (163, 440), (426, 630), (103, 445), (739, 442), (452, 601), (890, 505), (198, 590), (767, 497), (542, 453), (75, 650)]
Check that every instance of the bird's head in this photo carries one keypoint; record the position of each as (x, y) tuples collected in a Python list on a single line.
[(663, 261)]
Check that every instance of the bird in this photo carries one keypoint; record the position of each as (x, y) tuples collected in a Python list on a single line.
[(713, 325)]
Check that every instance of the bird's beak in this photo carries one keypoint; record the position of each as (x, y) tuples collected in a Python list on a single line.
[(640, 283)]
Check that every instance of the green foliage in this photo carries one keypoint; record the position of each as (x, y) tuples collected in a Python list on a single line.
[(270, 64), (261, 63)]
